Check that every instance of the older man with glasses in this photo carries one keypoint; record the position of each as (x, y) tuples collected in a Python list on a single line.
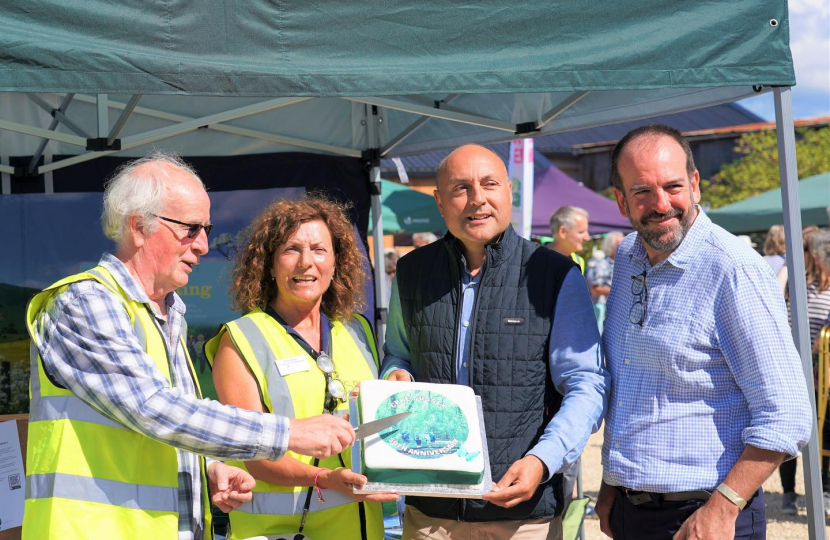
[(708, 391), (118, 426)]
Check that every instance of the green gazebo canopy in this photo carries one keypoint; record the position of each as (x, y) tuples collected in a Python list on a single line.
[(407, 211), (759, 213)]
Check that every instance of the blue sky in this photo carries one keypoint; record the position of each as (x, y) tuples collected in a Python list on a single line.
[(810, 45)]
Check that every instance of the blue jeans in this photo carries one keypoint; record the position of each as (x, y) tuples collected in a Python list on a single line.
[(660, 520)]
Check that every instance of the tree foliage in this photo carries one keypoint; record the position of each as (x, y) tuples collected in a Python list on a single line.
[(757, 170)]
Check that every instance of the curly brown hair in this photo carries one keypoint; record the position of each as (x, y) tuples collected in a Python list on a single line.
[(251, 282)]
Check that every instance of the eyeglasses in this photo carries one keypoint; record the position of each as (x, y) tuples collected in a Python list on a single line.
[(335, 390), (639, 287), (192, 228)]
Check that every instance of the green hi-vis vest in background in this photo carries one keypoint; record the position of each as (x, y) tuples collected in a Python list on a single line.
[(263, 343), (579, 261), (88, 476)]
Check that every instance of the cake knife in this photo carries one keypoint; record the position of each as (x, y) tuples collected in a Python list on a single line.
[(376, 426)]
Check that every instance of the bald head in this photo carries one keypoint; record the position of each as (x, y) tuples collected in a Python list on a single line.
[(474, 196), (469, 154)]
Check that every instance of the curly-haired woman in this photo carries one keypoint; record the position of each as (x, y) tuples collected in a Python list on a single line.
[(298, 351)]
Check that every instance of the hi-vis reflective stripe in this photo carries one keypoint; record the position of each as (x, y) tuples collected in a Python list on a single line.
[(277, 385), (68, 408), (286, 504), (97, 490)]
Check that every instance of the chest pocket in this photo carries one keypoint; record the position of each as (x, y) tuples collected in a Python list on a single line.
[(686, 347)]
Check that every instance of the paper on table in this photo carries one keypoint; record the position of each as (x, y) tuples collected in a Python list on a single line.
[(11, 477)]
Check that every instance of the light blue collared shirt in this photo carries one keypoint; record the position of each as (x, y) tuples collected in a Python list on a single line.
[(712, 369), (575, 365)]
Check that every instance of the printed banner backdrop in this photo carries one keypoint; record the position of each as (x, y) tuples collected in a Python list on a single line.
[(47, 237)]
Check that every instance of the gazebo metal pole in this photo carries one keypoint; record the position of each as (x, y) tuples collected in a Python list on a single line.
[(798, 298), (377, 228)]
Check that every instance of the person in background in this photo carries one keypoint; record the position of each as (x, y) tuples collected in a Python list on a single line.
[(118, 427), (816, 242), (569, 228), (783, 273), (301, 347), (775, 248), (514, 321), (423, 239), (390, 261), (600, 273), (709, 395), (199, 345)]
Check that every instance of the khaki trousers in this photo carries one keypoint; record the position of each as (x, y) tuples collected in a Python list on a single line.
[(419, 526)]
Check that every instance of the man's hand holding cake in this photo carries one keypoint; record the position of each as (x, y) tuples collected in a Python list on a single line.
[(519, 483)]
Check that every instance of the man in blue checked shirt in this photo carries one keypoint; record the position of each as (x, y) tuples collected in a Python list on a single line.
[(117, 425), (708, 394)]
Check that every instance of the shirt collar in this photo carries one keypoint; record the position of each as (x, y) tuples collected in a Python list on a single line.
[(325, 329), (684, 254), (134, 290)]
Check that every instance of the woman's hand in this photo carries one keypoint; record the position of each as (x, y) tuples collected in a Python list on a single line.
[(342, 480)]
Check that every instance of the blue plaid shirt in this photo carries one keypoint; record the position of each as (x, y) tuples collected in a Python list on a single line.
[(712, 369), (88, 346)]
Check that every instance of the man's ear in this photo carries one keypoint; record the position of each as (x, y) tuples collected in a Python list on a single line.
[(696, 187), (620, 202), (438, 201), (136, 230)]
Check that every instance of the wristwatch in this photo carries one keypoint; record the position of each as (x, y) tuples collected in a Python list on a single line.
[(733, 497)]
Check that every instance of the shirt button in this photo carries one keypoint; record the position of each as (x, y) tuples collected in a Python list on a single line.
[(466, 323), (617, 445), (627, 361), (464, 364), (620, 403)]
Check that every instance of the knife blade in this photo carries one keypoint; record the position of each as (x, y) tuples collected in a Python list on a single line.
[(376, 426)]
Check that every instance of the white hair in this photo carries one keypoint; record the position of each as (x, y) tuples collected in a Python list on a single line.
[(609, 243), (425, 237), (136, 190), (566, 216)]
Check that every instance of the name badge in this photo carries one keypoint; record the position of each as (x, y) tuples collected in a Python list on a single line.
[(292, 364)]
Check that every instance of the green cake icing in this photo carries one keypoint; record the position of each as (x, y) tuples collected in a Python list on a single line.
[(437, 428)]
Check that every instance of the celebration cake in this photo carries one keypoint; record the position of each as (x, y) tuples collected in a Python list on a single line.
[(439, 443)]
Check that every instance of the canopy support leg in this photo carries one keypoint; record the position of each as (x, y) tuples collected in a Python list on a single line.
[(5, 175), (381, 304), (798, 298)]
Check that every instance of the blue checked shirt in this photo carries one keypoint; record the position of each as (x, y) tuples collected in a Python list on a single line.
[(88, 346), (712, 369)]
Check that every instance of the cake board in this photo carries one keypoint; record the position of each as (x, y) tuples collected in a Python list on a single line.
[(456, 491)]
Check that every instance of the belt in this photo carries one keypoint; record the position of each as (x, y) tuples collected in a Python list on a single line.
[(641, 497)]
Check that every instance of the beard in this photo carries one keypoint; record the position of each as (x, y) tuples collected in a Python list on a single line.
[(662, 238)]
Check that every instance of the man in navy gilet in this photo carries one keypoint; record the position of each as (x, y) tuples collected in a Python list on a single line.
[(486, 308)]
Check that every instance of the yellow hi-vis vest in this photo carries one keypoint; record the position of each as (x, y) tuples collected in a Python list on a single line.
[(262, 342), (578, 260), (88, 476)]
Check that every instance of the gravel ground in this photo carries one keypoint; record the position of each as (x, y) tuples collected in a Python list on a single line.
[(779, 526)]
